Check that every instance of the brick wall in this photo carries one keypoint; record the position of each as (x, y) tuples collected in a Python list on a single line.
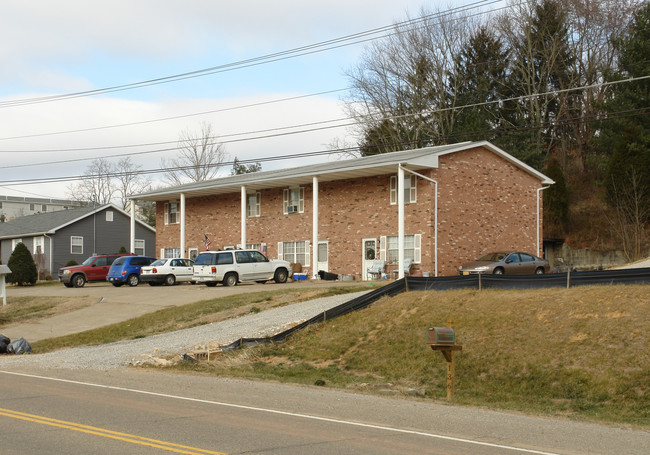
[(485, 203)]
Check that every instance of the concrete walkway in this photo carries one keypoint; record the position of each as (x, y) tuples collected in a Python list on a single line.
[(111, 305)]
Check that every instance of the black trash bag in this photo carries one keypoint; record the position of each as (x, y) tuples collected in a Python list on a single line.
[(19, 346), (4, 342), (327, 276)]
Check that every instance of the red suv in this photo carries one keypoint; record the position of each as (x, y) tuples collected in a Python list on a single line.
[(95, 268)]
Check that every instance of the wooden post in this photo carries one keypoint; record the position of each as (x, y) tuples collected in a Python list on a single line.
[(450, 365)]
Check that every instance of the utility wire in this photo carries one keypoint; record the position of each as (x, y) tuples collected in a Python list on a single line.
[(322, 46), (348, 150), (307, 127)]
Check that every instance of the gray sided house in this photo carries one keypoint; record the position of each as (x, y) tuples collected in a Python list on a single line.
[(55, 238)]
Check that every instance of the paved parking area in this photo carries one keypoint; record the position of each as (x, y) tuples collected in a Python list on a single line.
[(111, 304)]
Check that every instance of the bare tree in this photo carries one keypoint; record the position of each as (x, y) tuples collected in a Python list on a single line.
[(200, 157), (399, 92), (630, 201), (129, 180), (96, 185)]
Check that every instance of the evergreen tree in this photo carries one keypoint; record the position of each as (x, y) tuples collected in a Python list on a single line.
[(239, 168), (625, 139), (23, 268), (481, 69)]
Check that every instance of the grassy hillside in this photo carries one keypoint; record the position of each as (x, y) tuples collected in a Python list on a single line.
[(581, 352)]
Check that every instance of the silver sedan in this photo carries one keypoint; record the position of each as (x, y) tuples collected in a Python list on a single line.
[(168, 271), (509, 263)]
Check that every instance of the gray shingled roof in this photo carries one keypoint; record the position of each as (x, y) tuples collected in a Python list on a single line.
[(47, 223), (334, 170)]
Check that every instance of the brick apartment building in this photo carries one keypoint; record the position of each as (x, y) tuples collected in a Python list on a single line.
[(341, 215)]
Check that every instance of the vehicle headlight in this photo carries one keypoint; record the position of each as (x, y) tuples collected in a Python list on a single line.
[(66, 272), (482, 267)]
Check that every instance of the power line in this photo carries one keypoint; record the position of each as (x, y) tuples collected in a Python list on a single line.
[(309, 127), (322, 46), (594, 118)]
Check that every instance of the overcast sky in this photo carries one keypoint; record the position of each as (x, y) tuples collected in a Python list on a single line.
[(53, 48)]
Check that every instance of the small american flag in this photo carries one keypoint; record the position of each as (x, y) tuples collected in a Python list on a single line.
[(207, 241)]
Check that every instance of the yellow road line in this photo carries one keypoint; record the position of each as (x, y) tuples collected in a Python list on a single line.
[(125, 437)]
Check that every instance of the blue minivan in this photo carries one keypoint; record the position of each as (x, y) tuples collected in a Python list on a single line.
[(126, 269)]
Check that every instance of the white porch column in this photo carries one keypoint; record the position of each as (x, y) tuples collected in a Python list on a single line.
[(243, 217), (132, 228), (314, 242), (400, 221), (183, 254)]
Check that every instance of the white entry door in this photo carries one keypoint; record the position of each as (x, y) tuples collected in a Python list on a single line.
[(370, 253), (323, 251)]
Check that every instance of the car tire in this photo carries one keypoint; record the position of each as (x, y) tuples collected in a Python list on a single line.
[(498, 271), (539, 271), (281, 276), (78, 280), (230, 279), (170, 280), (117, 284), (133, 280)]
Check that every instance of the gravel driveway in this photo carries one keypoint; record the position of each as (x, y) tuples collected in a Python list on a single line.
[(225, 332)]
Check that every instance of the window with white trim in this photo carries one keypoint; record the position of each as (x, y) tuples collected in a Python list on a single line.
[(76, 244), (139, 247), (293, 200), (109, 215), (389, 248), (410, 189), (15, 242), (39, 244), (253, 204), (43, 208), (171, 213), (32, 207), (170, 253), (294, 252)]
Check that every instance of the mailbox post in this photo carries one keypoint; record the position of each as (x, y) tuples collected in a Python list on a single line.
[(4, 270), (443, 339)]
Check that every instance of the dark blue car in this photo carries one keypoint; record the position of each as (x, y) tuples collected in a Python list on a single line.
[(126, 269)]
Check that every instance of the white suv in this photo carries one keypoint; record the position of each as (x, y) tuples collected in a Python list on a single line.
[(233, 266)]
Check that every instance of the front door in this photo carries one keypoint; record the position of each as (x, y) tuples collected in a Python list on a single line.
[(370, 253), (323, 250)]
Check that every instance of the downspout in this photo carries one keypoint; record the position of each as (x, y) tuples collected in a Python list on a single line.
[(435, 217), (539, 221), (400, 221), (50, 253)]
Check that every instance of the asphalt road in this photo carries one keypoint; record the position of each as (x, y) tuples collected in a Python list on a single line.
[(144, 412)]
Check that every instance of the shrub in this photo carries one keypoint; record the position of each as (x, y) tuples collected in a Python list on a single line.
[(23, 268), (122, 250), (70, 263)]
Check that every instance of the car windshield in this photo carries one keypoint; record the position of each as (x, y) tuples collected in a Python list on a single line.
[(88, 261), (159, 262), (492, 257)]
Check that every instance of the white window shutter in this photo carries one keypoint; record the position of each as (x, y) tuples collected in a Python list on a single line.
[(417, 248), (382, 248), (414, 189), (393, 190), (258, 204), (280, 250), (301, 203), (307, 253), (162, 253), (285, 201), (166, 213)]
